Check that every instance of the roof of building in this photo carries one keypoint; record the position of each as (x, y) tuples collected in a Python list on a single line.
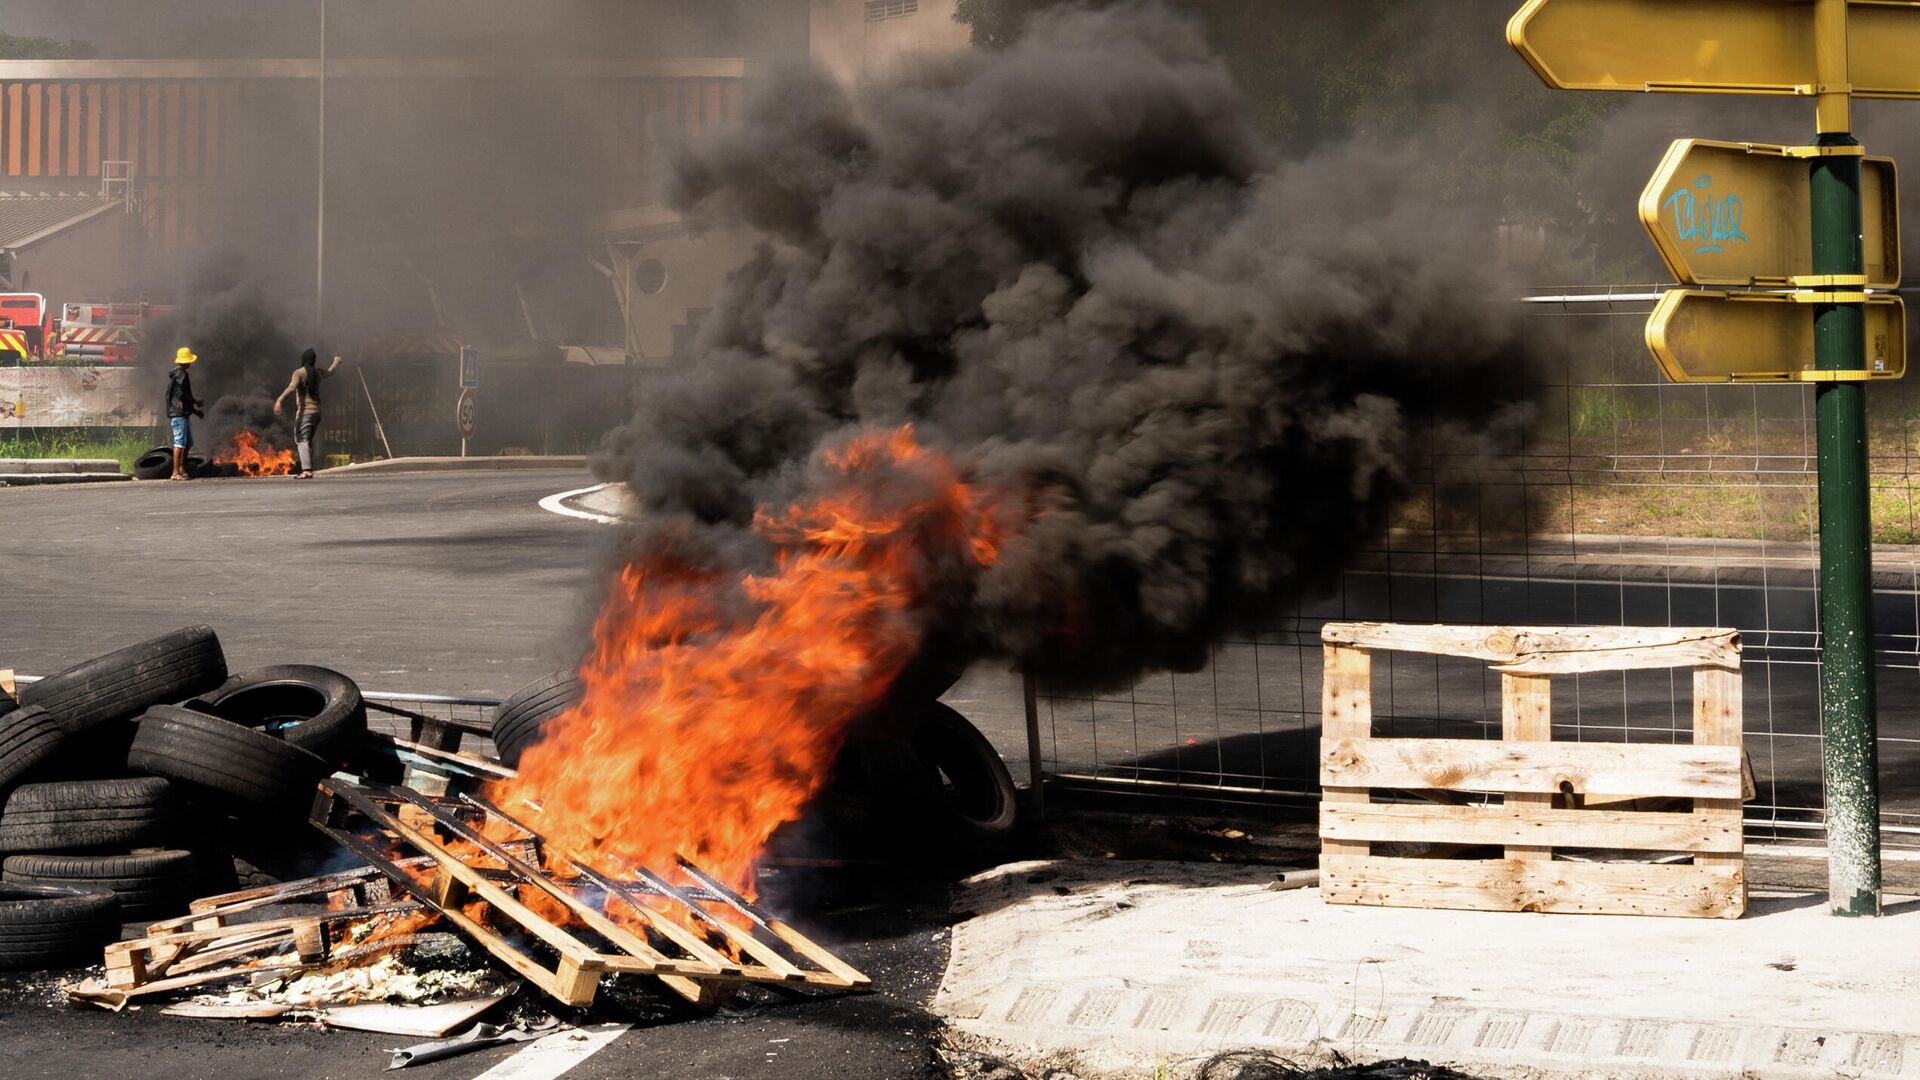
[(29, 218)]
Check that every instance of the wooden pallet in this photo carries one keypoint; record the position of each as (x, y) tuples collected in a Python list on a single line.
[(210, 944), (698, 937), (1552, 795)]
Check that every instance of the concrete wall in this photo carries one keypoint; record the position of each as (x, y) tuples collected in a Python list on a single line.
[(90, 261), (851, 45)]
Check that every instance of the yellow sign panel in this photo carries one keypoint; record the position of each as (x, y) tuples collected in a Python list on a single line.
[(1702, 336), (1713, 46), (1726, 213)]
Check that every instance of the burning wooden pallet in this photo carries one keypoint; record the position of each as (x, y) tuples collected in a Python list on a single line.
[(1553, 795), (699, 937), (211, 943)]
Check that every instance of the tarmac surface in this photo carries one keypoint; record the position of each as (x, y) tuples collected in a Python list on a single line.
[(450, 582), (458, 582)]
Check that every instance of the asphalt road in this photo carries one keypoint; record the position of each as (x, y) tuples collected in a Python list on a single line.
[(449, 583), (459, 583)]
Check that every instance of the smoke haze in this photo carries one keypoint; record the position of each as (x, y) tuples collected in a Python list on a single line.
[(1076, 267)]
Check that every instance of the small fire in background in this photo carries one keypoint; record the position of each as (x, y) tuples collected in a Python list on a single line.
[(714, 706), (252, 458)]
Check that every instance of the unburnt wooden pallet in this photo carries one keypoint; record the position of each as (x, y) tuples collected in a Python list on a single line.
[(697, 936), (1554, 796), (211, 944)]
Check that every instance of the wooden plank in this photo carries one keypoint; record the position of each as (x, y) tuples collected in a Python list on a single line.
[(1346, 713), (1548, 650), (1711, 772), (1716, 892), (1716, 722), (1422, 823), (1526, 715)]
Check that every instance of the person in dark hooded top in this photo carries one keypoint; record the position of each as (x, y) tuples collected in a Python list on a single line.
[(305, 391)]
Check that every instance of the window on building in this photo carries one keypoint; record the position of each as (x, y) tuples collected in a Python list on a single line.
[(890, 9)]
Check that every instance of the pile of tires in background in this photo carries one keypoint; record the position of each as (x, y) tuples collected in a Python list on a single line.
[(130, 783)]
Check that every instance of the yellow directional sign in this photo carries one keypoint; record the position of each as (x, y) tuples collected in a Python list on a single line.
[(1713, 46), (1700, 336), (1726, 213)]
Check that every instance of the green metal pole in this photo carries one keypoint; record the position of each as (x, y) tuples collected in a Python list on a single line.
[(1847, 707)]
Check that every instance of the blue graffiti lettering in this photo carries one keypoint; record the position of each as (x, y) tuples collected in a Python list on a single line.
[(1712, 221)]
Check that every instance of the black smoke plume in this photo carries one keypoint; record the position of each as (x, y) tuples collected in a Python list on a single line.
[(1074, 266), (245, 354)]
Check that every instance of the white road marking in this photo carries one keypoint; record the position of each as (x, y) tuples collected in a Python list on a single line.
[(556, 504), (554, 1055)]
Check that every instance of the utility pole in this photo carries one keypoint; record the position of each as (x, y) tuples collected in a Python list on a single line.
[(320, 208), (1846, 555)]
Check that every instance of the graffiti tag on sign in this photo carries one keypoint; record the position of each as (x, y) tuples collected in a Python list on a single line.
[(1710, 221)]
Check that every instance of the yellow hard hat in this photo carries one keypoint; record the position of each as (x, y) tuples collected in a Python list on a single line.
[(184, 356)]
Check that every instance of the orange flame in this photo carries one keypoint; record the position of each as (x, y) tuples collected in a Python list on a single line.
[(245, 452), (713, 708)]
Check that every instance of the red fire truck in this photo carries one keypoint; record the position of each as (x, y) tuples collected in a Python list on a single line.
[(25, 325), (97, 332), (105, 332)]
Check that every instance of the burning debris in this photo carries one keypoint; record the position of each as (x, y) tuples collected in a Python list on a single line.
[(246, 453)]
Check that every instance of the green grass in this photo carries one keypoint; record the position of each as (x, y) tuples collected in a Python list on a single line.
[(124, 446)]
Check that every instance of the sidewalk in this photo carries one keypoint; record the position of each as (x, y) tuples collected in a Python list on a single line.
[(493, 463), (1131, 967), (1656, 559), (18, 472)]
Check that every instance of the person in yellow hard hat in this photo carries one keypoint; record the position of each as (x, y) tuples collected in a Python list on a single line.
[(182, 406)]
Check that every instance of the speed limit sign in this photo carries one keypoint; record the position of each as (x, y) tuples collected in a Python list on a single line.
[(466, 413)]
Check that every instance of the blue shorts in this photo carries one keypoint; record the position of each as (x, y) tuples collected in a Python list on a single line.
[(182, 431)]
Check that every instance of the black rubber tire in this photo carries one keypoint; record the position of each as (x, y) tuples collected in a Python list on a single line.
[(43, 926), (30, 740), (155, 464), (945, 797), (314, 708), (234, 767), (517, 722), (7, 704), (154, 883), (124, 683), (87, 815)]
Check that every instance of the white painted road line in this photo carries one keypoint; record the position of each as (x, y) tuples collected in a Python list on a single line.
[(554, 1055), (557, 504)]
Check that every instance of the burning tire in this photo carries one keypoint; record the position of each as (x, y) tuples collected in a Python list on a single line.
[(518, 720), (229, 764), (314, 708), (150, 884), (47, 925), (125, 682), (29, 738), (944, 796), (83, 815)]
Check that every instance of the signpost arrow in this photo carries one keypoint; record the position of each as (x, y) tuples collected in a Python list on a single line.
[(1725, 213), (1714, 46), (1700, 336)]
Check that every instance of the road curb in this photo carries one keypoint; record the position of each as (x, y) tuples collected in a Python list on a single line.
[(45, 478), (458, 464)]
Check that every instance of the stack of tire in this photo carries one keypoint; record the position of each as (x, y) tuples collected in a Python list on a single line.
[(157, 464), (916, 784), (128, 781)]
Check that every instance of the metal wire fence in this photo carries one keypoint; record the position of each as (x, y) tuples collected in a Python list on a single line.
[(1633, 501)]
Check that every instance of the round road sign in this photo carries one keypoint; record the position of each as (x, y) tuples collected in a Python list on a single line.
[(466, 413)]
